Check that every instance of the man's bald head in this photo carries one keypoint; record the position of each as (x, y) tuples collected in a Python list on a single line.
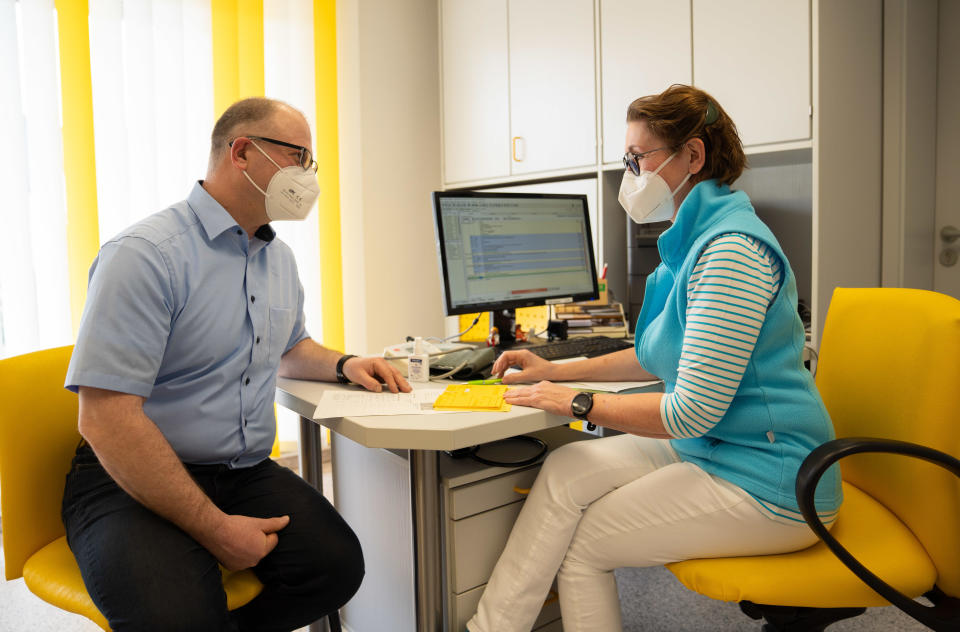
[(241, 117)]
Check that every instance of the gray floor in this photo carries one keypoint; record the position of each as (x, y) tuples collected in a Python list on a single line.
[(652, 600)]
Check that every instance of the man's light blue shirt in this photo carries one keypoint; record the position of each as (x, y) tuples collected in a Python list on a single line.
[(184, 310)]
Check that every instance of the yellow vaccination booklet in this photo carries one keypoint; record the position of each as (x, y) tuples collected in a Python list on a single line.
[(480, 397)]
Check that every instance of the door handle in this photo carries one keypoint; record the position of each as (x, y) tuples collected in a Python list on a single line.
[(519, 148)]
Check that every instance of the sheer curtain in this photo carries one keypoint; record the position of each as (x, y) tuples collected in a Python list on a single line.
[(152, 70), (289, 75), (152, 79), (34, 287)]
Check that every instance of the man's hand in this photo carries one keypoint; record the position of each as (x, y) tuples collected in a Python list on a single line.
[(240, 542), (533, 368), (543, 395), (365, 371)]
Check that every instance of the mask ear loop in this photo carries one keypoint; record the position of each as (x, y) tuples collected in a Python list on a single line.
[(664, 163), (265, 155)]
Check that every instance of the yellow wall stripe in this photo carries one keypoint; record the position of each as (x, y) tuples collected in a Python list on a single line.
[(250, 48), (237, 51), (79, 159), (328, 159)]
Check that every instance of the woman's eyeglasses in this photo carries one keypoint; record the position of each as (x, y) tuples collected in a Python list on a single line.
[(632, 161)]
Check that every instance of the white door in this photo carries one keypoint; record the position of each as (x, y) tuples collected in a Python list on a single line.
[(753, 56), (476, 105), (946, 278), (644, 48), (553, 113)]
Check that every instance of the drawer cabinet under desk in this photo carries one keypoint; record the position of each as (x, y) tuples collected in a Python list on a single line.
[(480, 504)]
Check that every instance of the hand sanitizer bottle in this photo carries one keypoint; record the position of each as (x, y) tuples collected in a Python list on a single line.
[(418, 364)]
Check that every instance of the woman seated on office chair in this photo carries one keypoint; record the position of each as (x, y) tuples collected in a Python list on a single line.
[(706, 469)]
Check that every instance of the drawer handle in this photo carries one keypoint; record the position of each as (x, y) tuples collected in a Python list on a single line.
[(521, 490), (552, 596)]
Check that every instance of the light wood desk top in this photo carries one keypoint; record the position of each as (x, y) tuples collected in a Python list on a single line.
[(415, 432)]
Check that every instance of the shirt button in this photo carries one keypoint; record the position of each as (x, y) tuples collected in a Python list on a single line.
[(247, 381), (258, 339), (253, 299), (239, 232)]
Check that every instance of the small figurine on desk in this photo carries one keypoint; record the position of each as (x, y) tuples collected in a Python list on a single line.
[(494, 338), (520, 334)]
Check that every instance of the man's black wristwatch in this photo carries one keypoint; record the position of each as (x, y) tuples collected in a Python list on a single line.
[(340, 376), (581, 406)]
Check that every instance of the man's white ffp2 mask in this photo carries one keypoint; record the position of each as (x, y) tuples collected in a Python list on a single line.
[(291, 192)]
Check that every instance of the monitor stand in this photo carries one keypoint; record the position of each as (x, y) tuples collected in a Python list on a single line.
[(505, 320)]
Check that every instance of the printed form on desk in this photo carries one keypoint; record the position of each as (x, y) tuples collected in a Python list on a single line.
[(335, 404)]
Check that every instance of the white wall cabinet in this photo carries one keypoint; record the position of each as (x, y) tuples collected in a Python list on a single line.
[(802, 79), (475, 84), (519, 79), (553, 116), (645, 46), (519, 91), (753, 56)]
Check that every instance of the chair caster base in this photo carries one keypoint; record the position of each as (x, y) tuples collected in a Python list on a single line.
[(796, 619)]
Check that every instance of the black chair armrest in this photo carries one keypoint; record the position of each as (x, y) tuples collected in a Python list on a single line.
[(813, 467)]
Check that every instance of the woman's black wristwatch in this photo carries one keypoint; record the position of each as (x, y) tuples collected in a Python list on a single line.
[(581, 406), (340, 376)]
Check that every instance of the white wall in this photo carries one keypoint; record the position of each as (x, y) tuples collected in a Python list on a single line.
[(389, 109)]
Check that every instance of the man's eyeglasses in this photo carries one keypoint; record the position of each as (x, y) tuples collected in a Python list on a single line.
[(632, 161), (305, 159)]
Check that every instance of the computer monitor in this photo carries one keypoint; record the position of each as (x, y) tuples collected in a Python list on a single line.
[(500, 251)]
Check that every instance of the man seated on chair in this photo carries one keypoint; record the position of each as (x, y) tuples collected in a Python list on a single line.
[(190, 315)]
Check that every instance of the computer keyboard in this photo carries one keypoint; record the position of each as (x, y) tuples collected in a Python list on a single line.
[(590, 347)]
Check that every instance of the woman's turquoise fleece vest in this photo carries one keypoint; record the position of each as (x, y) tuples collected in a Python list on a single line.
[(776, 417)]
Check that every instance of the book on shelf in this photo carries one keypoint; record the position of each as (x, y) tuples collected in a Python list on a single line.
[(592, 320)]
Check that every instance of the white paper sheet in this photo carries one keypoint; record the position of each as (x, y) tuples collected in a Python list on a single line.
[(349, 403)]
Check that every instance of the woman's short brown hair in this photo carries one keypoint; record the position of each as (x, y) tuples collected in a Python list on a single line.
[(681, 113)]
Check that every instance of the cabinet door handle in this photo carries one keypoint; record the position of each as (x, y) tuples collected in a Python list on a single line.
[(521, 490), (519, 149)]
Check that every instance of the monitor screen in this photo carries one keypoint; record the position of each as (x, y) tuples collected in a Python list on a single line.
[(507, 250)]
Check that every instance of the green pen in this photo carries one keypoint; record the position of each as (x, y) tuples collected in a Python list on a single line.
[(495, 380)]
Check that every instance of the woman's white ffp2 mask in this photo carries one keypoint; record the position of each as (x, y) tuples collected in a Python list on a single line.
[(647, 197)]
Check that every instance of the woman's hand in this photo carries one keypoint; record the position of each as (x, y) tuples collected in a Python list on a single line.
[(533, 368), (543, 395)]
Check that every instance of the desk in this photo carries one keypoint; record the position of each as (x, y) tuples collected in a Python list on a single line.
[(422, 435)]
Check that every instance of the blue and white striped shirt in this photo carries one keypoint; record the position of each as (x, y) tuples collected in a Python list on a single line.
[(731, 287), (734, 282)]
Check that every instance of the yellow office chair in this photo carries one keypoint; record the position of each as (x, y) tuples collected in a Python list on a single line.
[(38, 436), (889, 369)]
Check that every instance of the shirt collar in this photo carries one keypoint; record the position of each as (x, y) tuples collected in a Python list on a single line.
[(214, 218)]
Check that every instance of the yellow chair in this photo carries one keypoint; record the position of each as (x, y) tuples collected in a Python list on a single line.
[(38, 436), (889, 373)]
